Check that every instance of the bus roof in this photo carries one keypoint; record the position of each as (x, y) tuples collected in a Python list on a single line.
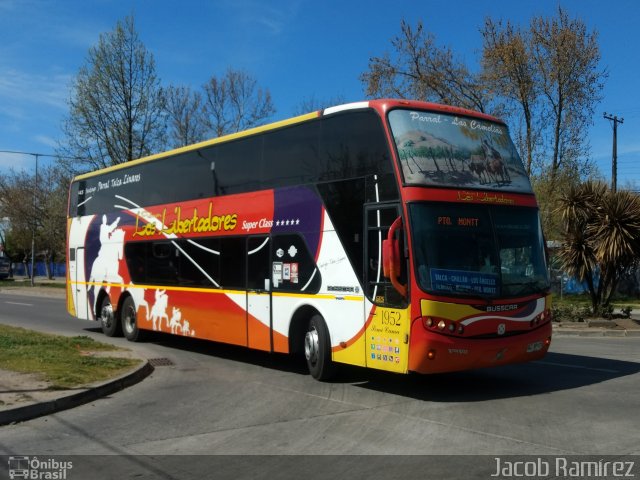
[(382, 105)]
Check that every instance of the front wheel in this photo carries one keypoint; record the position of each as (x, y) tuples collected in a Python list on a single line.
[(317, 349), (108, 320), (129, 320)]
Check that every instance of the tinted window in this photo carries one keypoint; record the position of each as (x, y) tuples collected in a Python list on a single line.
[(347, 145), (291, 155), (232, 262), (210, 262), (378, 288), (258, 266), (238, 165)]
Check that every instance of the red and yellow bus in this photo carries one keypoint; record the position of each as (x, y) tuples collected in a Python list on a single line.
[(390, 234)]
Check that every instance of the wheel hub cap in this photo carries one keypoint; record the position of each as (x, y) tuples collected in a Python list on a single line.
[(311, 345), (107, 314)]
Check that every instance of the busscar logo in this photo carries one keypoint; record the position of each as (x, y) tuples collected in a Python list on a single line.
[(501, 308), (38, 469)]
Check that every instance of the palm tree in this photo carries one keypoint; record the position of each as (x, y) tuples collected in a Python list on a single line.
[(602, 237)]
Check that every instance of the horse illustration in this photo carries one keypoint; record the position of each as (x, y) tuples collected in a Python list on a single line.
[(159, 309), (106, 265), (175, 322)]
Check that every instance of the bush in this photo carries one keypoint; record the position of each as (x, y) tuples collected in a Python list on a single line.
[(570, 313)]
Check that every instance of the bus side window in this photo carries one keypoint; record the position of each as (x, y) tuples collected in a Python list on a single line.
[(136, 255), (199, 262), (378, 288), (258, 266), (162, 263), (232, 263)]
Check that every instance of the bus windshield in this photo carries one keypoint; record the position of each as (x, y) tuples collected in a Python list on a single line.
[(478, 250), (438, 149)]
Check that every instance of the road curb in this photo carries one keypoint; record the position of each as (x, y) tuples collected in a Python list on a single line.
[(29, 412), (582, 332)]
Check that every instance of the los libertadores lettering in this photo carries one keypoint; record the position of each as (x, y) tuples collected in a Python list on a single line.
[(179, 225)]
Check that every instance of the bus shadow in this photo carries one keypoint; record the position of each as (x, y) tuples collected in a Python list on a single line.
[(277, 361), (555, 372)]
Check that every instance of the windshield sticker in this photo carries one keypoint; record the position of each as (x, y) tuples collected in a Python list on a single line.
[(454, 151)]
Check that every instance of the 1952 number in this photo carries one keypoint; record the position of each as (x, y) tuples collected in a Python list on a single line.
[(391, 317)]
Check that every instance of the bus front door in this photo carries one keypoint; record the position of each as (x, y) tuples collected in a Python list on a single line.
[(259, 293)]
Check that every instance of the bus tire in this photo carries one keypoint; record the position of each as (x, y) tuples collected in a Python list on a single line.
[(129, 321), (108, 320), (317, 349)]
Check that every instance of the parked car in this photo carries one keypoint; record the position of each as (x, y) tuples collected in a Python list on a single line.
[(5, 267)]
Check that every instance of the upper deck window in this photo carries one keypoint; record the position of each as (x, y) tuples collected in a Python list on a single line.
[(442, 150)]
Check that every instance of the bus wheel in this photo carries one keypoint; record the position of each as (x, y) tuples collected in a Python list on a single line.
[(317, 349), (108, 321), (129, 320)]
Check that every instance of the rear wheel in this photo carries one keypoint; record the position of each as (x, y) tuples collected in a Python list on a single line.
[(317, 349), (108, 320), (129, 320)]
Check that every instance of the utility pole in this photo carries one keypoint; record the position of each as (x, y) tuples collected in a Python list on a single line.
[(35, 219), (614, 157)]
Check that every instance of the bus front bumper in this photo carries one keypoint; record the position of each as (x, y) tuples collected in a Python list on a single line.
[(431, 352)]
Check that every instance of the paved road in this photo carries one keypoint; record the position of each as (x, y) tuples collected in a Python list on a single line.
[(215, 399)]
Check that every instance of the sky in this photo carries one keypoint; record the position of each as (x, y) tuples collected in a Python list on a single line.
[(297, 49)]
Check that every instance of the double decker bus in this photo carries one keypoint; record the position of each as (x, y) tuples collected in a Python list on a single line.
[(390, 234)]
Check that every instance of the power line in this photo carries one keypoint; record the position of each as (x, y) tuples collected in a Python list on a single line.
[(37, 155)]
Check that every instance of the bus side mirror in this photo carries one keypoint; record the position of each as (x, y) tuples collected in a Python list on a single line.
[(391, 261)]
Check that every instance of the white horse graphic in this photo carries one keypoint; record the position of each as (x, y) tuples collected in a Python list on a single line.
[(106, 265), (186, 330), (159, 309), (176, 319)]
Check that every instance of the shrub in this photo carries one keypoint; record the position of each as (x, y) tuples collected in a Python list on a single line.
[(570, 313)]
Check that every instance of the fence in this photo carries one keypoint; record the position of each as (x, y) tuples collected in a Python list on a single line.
[(24, 270)]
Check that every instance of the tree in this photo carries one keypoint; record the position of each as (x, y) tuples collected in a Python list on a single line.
[(421, 70), (187, 119), (509, 68), (566, 57), (544, 77), (312, 104), (35, 211), (234, 103), (117, 105), (602, 237)]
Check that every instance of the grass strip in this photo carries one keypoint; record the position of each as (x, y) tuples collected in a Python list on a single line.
[(64, 362)]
